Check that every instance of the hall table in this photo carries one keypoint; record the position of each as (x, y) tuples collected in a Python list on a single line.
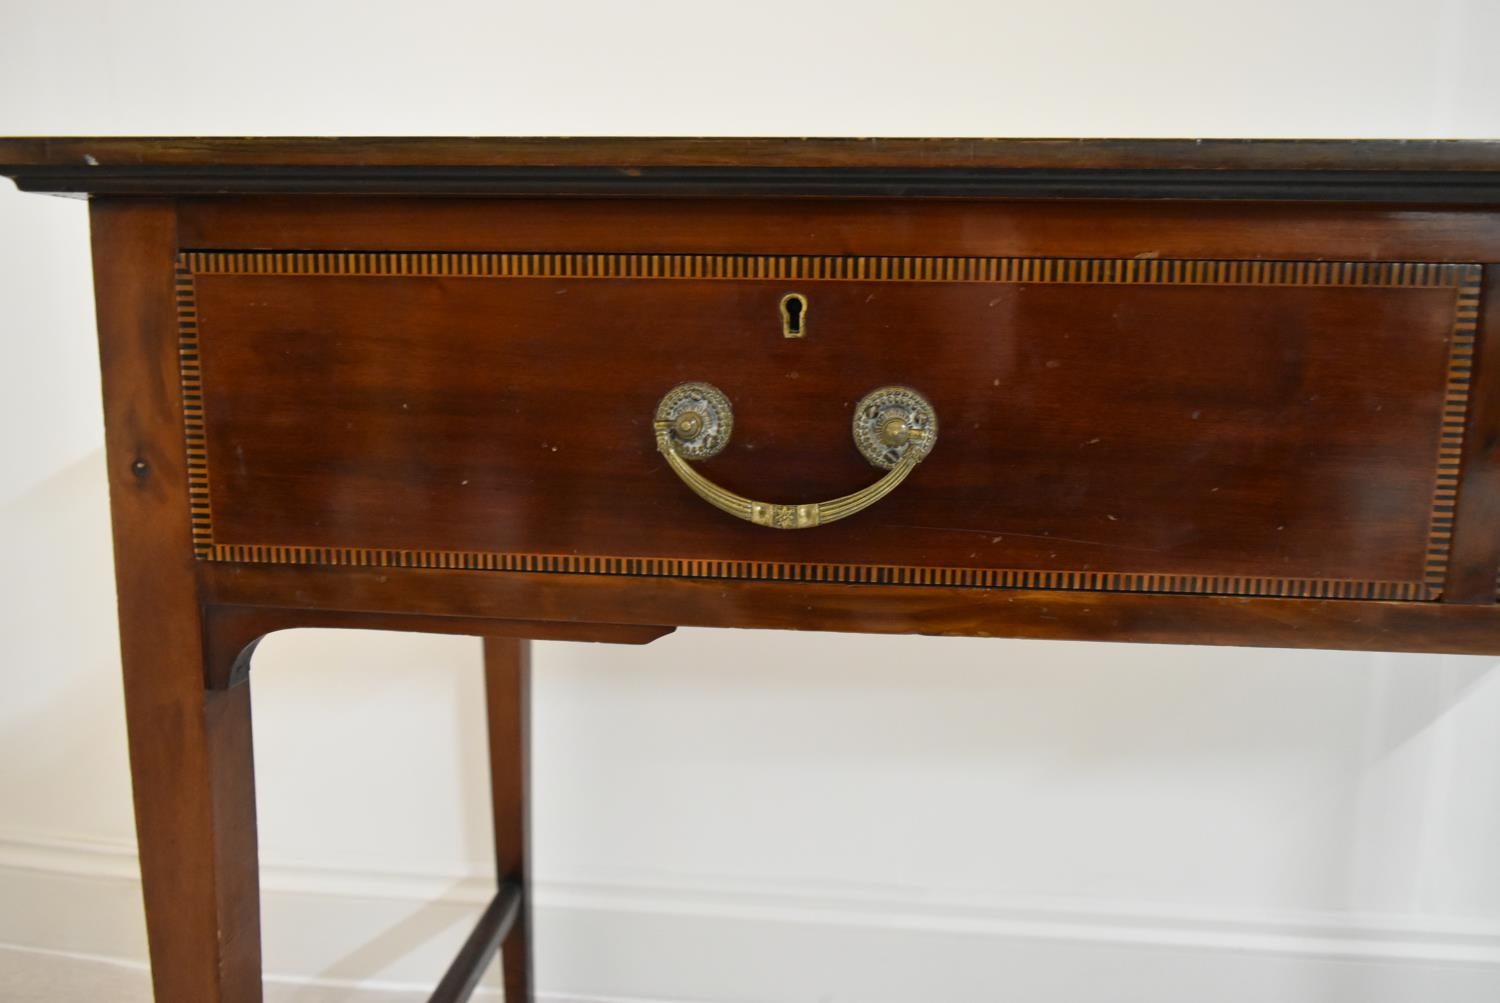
[(1213, 392)]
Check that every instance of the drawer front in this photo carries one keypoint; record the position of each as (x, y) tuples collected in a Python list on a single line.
[(1268, 428)]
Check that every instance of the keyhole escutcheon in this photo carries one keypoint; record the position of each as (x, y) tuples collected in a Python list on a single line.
[(793, 315)]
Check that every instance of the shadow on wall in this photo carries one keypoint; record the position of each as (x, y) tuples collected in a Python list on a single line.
[(62, 731), (914, 772)]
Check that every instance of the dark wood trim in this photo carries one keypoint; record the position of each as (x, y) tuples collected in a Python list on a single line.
[(396, 593), (1403, 187), (190, 747), (507, 689), (1474, 559), (1429, 171), (497, 920), (108, 152)]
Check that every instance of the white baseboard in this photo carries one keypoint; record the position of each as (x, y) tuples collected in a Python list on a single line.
[(674, 941)]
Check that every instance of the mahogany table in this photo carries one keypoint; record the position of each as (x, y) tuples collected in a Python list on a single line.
[(1209, 392)]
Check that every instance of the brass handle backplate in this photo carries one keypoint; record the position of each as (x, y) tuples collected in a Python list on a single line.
[(894, 428)]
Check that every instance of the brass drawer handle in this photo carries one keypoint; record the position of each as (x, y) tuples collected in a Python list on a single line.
[(894, 428)]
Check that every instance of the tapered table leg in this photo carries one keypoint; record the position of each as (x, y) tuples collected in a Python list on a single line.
[(190, 755), (507, 670), (191, 766)]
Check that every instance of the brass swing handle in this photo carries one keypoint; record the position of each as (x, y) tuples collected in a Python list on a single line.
[(894, 428)]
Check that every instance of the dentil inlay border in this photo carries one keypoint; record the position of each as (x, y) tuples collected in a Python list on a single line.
[(1464, 279)]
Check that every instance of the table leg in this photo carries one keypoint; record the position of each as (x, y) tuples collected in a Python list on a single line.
[(188, 717), (194, 781), (507, 670)]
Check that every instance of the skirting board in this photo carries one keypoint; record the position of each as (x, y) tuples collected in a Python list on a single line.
[(368, 933)]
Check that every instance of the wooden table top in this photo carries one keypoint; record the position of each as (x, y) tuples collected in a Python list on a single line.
[(1448, 171)]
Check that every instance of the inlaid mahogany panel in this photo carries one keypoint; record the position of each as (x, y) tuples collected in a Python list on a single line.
[(1239, 427)]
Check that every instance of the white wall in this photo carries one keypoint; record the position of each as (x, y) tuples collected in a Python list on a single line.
[(757, 817)]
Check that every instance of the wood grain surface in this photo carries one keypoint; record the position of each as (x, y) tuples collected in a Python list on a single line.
[(1432, 171), (1146, 425)]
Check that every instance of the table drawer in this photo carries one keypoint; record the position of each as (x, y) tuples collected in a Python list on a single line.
[(1269, 428)]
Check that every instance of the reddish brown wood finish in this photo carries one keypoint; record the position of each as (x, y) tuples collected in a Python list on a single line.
[(396, 593), (190, 754), (1325, 402), (232, 632), (1269, 434), (507, 686), (1076, 229)]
